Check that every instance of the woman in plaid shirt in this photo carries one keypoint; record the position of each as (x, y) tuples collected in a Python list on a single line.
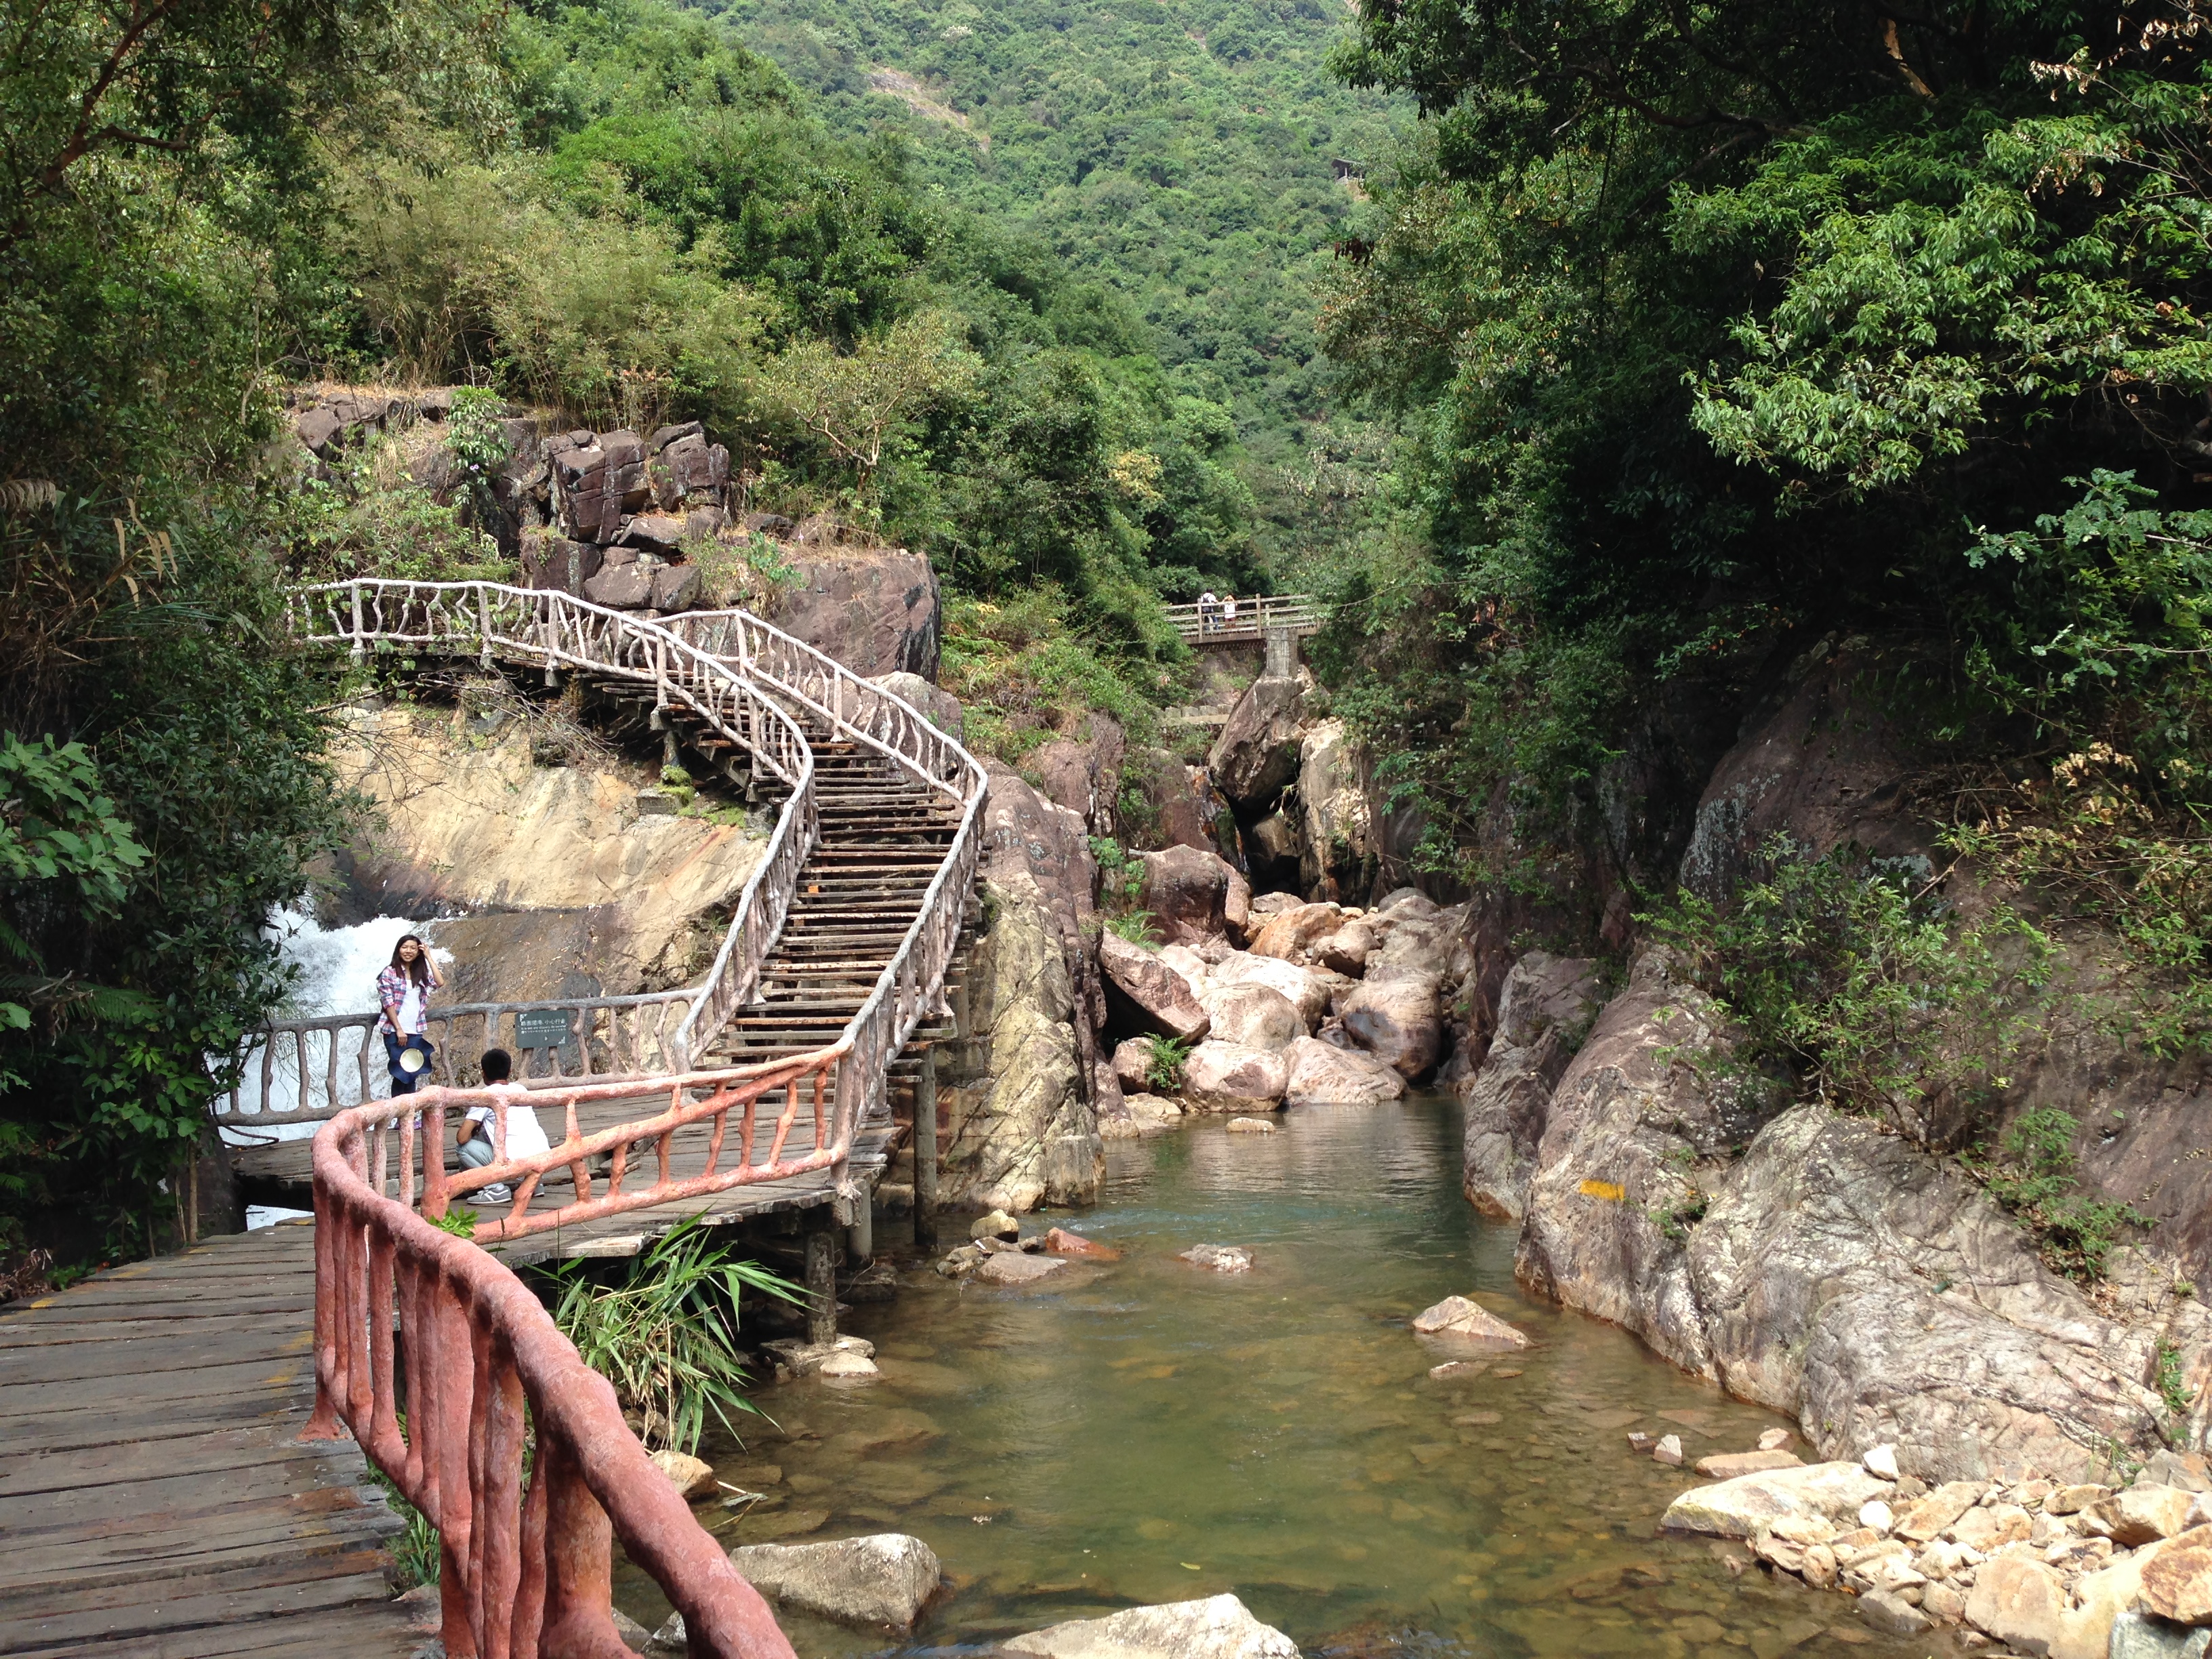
[(403, 992)]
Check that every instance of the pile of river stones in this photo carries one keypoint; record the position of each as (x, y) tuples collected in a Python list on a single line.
[(1323, 1004), (2030, 1566)]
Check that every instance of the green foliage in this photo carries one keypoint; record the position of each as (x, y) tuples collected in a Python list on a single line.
[(460, 1221), (2172, 1381), (2032, 1176), (1023, 674), (1709, 331), (474, 435), (1843, 974), (363, 516), (1179, 154), (1164, 1064), (415, 1552), (666, 1334), (1136, 926), (1120, 873)]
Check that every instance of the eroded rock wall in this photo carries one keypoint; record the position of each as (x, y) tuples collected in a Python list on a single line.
[(545, 880)]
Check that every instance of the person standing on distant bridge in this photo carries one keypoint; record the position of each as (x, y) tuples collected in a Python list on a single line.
[(1209, 611), (403, 992), (1227, 611)]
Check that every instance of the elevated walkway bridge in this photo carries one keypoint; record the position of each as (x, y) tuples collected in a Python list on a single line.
[(190, 1432)]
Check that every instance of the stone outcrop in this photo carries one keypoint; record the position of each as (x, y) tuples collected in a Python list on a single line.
[(875, 610), (1543, 1011), (881, 1581), (545, 878), (1024, 1127), (1219, 1627), (1832, 1272), (933, 702), (1256, 758), (1336, 855), (1084, 776), (1456, 1316), (1257, 1016)]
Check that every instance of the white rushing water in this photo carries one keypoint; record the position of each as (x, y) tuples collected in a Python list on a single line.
[(337, 975)]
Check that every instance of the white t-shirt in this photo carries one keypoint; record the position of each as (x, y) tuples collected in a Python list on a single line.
[(525, 1137), (411, 1005), (1229, 610)]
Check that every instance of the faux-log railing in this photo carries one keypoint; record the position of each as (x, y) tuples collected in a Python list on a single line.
[(846, 706), (524, 1571), (370, 1246), (541, 628)]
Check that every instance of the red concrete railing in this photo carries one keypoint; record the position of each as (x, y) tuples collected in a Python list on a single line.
[(525, 1570)]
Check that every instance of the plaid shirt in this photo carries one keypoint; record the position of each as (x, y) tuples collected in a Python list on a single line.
[(392, 990)]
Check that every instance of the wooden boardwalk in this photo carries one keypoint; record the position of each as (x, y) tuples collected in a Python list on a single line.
[(156, 1500)]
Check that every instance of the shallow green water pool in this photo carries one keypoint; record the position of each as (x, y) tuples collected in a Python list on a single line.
[(1148, 1431)]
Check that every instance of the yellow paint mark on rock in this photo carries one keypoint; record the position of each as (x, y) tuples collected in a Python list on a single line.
[(1611, 1191)]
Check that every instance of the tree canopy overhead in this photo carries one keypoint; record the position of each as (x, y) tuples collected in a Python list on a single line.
[(1717, 329)]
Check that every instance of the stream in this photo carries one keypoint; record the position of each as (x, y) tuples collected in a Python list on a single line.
[(1149, 1432)]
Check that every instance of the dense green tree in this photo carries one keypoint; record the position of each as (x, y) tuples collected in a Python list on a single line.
[(1715, 329)]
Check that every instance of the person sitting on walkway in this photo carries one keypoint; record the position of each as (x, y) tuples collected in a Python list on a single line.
[(402, 993), (525, 1136)]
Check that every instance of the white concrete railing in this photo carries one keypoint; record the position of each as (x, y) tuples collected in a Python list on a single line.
[(302, 1070)]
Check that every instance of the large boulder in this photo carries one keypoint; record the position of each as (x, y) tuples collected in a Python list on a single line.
[(1307, 992), (1132, 1065), (1228, 1077), (1337, 857), (1219, 1627), (1399, 1021), (1293, 934), (933, 702), (1157, 996), (1323, 1074), (1187, 891), (1024, 1127), (1256, 758), (1543, 1010), (875, 610), (1738, 1508), (881, 1581), (1257, 1016)]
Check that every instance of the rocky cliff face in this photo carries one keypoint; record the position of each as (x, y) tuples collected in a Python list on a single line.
[(1024, 1108), (548, 878), (1824, 1265)]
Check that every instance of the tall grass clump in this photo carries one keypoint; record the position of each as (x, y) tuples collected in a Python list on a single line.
[(666, 1336)]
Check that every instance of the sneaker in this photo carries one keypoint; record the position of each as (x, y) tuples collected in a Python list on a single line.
[(498, 1193)]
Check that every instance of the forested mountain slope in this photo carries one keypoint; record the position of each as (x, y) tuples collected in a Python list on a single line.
[(1197, 155)]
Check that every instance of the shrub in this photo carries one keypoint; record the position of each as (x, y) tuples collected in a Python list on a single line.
[(1845, 973), (2032, 1176), (1163, 1067)]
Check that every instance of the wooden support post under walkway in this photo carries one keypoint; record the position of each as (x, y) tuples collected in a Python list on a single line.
[(820, 1225), (925, 1151)]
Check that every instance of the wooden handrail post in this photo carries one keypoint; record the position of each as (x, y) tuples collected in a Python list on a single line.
[(925, 1153)]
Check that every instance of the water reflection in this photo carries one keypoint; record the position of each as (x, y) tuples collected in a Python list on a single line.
[(1147, 1431)]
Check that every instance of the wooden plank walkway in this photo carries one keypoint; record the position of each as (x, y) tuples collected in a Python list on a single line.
[(156, 1500)]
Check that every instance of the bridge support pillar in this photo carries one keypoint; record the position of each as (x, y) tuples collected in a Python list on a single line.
[(1282, 655), (925, 1151), (822, 1274)]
